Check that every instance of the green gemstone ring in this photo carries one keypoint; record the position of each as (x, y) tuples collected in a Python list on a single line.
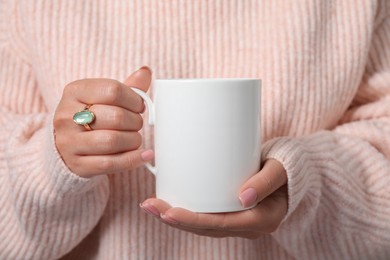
[(84, 117)]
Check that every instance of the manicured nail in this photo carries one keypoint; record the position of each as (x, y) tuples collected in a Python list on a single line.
[(147, 155), (146, 68), (248, 197), (168, 219), (150, 209)]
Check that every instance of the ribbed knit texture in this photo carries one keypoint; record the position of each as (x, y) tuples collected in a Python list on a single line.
[(325, 68)]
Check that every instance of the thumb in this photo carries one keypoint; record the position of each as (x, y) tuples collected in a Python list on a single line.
[(270, 178), (140, 79)]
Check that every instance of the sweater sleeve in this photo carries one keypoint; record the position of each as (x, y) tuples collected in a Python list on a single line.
[(45, 209), (339, 179)]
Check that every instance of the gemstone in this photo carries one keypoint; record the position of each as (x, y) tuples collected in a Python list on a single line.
[(83, 117)]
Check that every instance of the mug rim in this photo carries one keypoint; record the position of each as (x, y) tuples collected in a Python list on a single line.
[(208, 79)]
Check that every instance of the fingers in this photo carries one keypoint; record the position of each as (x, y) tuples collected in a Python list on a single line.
[(104, 91), (234, 221), (156, 208), (111, 146), (216, 233), (264, 218), (115, 118), (111, 92), (237, 221), (89, 166), (140, 79), (270, 189), (106, 142), (270, 178)]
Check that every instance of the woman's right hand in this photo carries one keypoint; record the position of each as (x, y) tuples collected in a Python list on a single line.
[(113, 144)]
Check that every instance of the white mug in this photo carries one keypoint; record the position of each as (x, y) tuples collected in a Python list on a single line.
[(206, 140)]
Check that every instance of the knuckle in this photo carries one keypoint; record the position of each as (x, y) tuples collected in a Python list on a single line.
[(105, 165), (68, 89), (61, 119), (72, 88), (73, 163), (62, 115), (117, 117), (137, 142), (112, 91), (140, 106), (107, 140), (58, 121), (138, 122), (269, 183), (61, 142)]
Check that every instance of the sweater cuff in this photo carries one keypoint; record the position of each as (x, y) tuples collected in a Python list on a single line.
[(61, 177)]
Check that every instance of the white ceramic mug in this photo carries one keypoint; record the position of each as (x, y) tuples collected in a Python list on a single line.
[(207, 140)]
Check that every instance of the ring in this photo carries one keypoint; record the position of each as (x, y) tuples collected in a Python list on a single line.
[(84, 117)]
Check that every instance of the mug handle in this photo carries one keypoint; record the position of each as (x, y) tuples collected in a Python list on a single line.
[(150, 106)]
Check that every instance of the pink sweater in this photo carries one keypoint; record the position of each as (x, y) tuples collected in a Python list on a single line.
[(325, 67)]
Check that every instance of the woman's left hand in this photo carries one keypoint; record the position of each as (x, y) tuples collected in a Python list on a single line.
[(267, 190)]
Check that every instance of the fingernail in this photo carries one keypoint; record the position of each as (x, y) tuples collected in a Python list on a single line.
[(150, 210), (146, 68), (248, 197), (147, 155), (168, 219)]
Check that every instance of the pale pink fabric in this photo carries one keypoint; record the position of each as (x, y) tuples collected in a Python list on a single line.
[(325, 67)]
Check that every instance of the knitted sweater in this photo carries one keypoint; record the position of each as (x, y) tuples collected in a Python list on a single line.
[(325, 68)]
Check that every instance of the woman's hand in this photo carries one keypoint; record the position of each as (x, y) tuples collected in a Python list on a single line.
[(267, 190), (112, 145)]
